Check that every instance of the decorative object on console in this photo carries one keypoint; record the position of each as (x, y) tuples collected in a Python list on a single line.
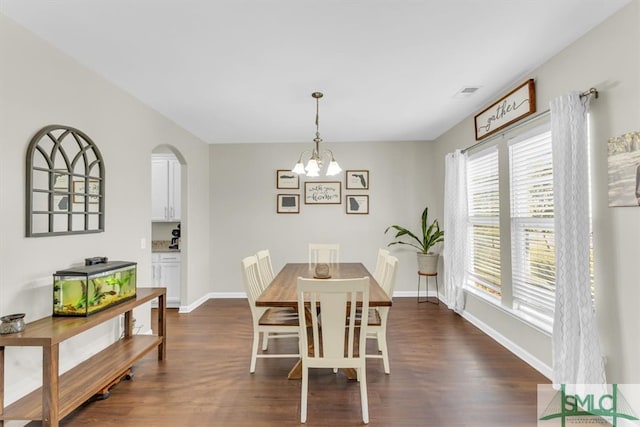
[(11, 324), (315, 161), (430, 236)]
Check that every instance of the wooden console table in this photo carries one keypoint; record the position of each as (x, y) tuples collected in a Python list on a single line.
[(61, 394)]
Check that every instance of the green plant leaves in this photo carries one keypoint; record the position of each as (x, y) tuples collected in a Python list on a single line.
[(431, 234)]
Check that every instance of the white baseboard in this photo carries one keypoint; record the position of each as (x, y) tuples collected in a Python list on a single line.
[(527, 357), (414, 294), (212, 295)]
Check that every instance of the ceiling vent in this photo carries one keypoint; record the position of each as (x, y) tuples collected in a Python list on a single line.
[(466, 91)]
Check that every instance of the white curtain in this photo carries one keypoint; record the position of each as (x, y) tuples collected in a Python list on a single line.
[(455, 228), (576, 352)]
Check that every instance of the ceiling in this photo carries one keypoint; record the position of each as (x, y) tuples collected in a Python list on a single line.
[(237, 71)]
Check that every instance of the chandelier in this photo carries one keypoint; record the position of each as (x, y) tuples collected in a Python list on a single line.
[(315, 161)]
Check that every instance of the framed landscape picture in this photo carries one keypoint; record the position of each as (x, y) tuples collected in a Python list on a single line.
[(287, 179), (357, 204), (288, 203), (623, 158), (358, 180), (323, 193)]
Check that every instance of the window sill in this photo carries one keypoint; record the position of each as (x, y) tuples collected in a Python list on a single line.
[(531, 321)]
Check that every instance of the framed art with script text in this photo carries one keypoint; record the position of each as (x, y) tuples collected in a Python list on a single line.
[(515, 105), (323, 193)]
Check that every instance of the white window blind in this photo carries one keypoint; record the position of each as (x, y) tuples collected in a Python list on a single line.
[(483, 266), (532, 226)]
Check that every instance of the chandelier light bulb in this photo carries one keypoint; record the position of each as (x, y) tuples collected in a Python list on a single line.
[(312, 167), (334, 168), (299, 168)]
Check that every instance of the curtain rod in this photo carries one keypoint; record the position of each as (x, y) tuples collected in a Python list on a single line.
[(591, 91)]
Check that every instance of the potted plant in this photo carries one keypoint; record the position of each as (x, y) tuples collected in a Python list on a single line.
[(431, 234)]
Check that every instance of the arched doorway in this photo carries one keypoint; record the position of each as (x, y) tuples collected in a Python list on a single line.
[(168, 222)]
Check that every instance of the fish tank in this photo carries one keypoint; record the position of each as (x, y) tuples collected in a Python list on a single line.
[(82, 291)]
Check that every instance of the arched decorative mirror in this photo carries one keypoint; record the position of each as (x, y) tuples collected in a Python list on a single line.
[(65, 183)]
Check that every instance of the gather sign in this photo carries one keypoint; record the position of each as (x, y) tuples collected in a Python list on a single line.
[(512, 107)]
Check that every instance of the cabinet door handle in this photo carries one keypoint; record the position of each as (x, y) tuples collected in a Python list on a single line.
[(166, 212)]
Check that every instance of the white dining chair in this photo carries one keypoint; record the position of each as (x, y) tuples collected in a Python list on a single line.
[(325, 341), (272, 322), (265, 267), (378, 273), (378, 316), (328, 253)]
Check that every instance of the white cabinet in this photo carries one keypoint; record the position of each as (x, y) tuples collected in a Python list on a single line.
[(166, 268), (165, 188)]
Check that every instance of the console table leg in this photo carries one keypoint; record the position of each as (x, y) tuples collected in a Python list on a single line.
[(162, 326), (1, 384), (50, 410)]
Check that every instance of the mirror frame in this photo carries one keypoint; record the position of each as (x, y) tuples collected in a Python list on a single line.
[(46, 147)]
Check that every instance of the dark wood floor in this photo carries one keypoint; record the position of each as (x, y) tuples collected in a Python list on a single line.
[(444, 372)]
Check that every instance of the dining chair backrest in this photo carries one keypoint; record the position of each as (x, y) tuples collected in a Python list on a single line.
[(336, 300), (328, 253), (251, 280), (265, 267), (381, 263), (388, 283)]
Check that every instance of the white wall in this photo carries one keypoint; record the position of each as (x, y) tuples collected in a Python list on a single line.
[(607, 58), (243, 206), (39, 86)]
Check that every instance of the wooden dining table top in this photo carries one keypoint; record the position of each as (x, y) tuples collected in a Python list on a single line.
[(282, 291)]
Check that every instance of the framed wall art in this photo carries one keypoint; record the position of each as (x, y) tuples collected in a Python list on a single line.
[(287, 179), (358, 180), (288, 203), (79, 191), (357, 204), (61, 179), (512, 107), (323, 193), (623, 159)]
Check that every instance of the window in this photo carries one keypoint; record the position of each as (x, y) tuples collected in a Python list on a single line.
[(520, 278), (483, 267), (533, 263)]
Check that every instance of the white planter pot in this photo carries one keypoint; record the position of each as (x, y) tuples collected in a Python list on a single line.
[(428, 263)]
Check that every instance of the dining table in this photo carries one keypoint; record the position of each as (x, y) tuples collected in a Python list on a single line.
[(282, 292)]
